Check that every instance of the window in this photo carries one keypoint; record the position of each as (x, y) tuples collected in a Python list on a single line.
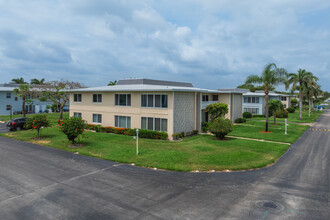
[(97, 98), (123, 99), (254, 111), (154, 101), (205, 98), (215, 97), (8, 95), (16, 98), (77, 114), (251, 99), (77, 97), (122, 122), (97, 118), (157, 124), (8, 107), (284, 105), (283, 98)]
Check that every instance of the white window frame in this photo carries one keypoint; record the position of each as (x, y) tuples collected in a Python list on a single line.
[(118, 119), (99, 116), (118, 99), (74, 96), (154, 101), (77, 115), (97, 97), (153, 123)]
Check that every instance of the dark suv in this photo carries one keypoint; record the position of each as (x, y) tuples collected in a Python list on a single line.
[(16, 124)]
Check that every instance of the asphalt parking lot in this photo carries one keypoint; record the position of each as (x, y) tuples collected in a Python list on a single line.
[(38, 182)]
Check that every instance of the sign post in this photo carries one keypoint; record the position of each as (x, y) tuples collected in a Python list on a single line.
[(286, 126), (137, 141)]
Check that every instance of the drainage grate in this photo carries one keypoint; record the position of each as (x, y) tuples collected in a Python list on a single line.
[(269, 205)]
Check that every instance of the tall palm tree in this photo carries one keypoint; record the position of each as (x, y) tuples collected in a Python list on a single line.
[(23, 91), (37, 82), (270, 77), (311, 89), (298, 81)]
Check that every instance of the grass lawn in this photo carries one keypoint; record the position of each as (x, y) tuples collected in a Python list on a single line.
[(51, 116), (294, 117), (201, 152), (251, 129)]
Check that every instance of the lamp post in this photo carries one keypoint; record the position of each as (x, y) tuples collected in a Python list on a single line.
[(286, 126), (137, 141)]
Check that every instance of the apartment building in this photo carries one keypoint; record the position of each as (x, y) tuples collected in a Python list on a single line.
[(254, 102), (12, 104), (160, 105)]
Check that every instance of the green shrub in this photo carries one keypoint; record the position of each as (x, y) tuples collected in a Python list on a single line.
[(73, 127), (97, 128), (291, 109), (195, 132), (205, 127), (90, 126), (282, 114), (176, 136), (240, 120), (220, 127), (247, 115), (294, 102), (150, 134), (216, 110), (37, 122)]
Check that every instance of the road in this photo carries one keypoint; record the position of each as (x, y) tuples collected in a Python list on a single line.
[(38, 182)]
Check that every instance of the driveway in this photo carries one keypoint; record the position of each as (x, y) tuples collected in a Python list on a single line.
[(3, 128), (38, 182)]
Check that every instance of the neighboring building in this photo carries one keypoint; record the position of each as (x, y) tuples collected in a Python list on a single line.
[(151, 104), (12, 104), (254, 102)]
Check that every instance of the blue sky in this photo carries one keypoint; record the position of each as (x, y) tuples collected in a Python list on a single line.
[(213, 44)]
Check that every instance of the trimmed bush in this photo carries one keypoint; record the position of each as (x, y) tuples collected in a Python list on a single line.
[(97, 128), (247, 115), (195, 132), (205, 127), (291, 109), (73, 127), (177, 136), (220, 127), (240, 120), (37, 122), (282, 114)]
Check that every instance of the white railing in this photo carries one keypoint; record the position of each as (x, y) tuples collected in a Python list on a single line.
[(206, 103)]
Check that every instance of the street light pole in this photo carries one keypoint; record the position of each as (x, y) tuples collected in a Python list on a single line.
[(286, 126)]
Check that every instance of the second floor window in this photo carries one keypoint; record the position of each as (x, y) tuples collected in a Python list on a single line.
[(154, 100), (283, 98), (123, 99), (77, 97), (205, 98), (97, 98), (251, 99), (8, 95), (215, 97)]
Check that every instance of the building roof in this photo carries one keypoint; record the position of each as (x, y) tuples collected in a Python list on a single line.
[(153, 82), (6, 89), (234, 90)]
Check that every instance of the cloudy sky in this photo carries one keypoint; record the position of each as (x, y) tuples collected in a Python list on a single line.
[(213, 44)]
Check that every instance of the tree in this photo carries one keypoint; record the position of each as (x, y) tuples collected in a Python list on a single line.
[(294, 102), (24, 92), (217, 110), (253, 88), (220, 127), (72, 127), (271, 76), (37, 82), (312, 89), (112, 83), (299, 81), (56, 92), (18, 81), (275, 106), (37, 122)]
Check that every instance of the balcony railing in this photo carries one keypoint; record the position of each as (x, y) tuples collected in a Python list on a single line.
[(206, 103)]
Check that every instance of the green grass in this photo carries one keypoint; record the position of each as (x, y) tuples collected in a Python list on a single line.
[(251, 129), (294, 117), (201, 152), (51, 116)]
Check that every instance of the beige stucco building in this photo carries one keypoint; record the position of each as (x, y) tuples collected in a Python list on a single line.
[(167, 106)]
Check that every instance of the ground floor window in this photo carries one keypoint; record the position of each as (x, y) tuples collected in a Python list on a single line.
[(8, 107), (157, 124), (254, 111), (97, 118), (122, 121), (77, 114)]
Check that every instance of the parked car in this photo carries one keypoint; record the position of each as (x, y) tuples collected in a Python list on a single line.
[(16, 124)]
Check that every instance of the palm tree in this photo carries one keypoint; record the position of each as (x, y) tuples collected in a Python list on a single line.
[(311, 89), (112, 83), (271, 76), (37, 82), (23, 91), (298, 81), (18, 81)]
